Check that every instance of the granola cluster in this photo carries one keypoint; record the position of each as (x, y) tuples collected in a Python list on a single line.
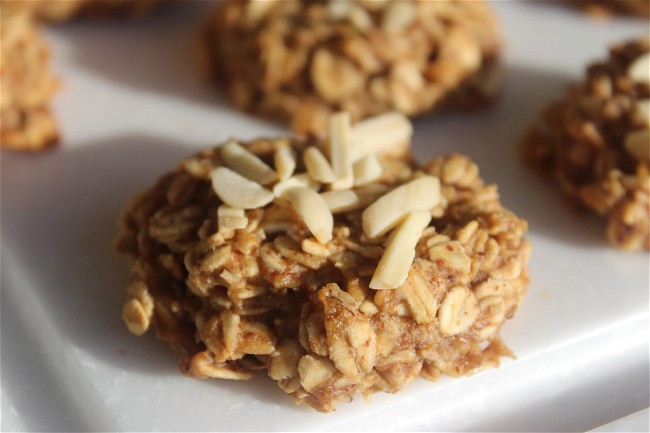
[(26, 83), (303, 60), (335, 285), (595, 143)]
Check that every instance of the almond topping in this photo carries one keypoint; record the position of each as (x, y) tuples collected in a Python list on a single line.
[(285, 162), (303, 180), (421, 194), (231, 218), (317, 165), (236, 191), (393, 268), (247, 164), (339, 150), (341, 201), (639, 70), (367, 170), (314, 211), (387, 134)]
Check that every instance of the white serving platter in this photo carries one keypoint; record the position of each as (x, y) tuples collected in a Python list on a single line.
[(134, 102)]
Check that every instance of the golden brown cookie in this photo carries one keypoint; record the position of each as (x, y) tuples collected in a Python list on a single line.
[(595, 143), (26, 83), (301, 61), (338, 265)]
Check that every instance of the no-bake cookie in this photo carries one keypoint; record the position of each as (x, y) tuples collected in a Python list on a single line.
[(300, 61), (595, 143), (338, 265), (26, 83)]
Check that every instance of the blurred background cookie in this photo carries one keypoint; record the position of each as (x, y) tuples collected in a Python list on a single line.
[(301, 61), (595, 143), (26, 82)]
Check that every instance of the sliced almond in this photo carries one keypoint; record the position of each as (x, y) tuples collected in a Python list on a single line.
[(317, 165), (339, 150), (300, 180), (639, 70), (247, 164), (387, 134), (341, 201), (421, 194), (236, 191), (366, 170), (314, 211), (638, 144), (285, 162), (231, 218), (339, 10), (398, 15), (393, 268)]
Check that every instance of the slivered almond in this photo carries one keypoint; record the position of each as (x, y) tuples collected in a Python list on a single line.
[(341, 201), (314, 211), (393, 268), (299, 180), (421, 194), (639, 70), (366, 170), (638, 144), (247, 164), (236, 191), (285, 162), (231, 218), (387, 134), (317, 165), (339, 150)]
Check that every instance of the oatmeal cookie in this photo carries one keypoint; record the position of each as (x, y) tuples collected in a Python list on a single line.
[(26, 83), (595, 143), (303, 60), (338, 265)]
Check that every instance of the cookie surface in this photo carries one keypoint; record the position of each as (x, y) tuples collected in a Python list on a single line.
[(301, 61), (335, 287), (595, 143), (26, 81)]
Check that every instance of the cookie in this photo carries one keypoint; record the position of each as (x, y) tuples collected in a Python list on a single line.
[(26, 81), (595, 143), (301, 61), (338, 268)]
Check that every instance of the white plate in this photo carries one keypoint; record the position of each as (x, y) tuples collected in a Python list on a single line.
[(133, 103)]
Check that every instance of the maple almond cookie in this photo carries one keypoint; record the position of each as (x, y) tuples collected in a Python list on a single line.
[(595, 143), (300, 61), (338, 265), (26, 83)]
